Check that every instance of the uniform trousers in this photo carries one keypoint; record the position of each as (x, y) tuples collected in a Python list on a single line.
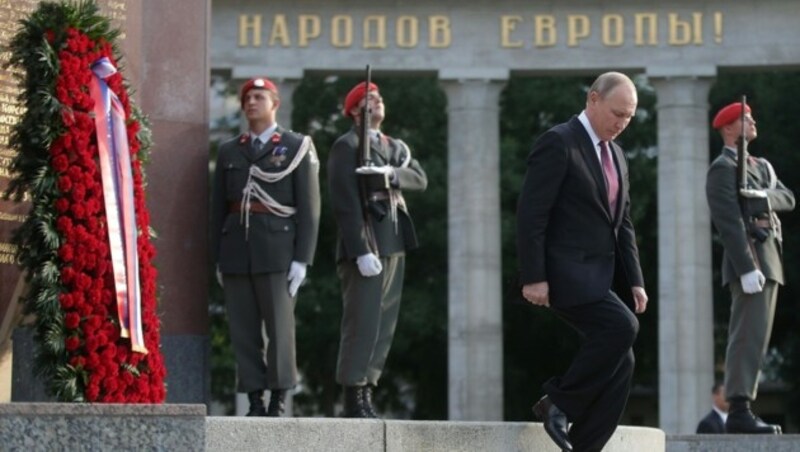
[(594, 390), (371, 306), (749, 331), (255, 301)]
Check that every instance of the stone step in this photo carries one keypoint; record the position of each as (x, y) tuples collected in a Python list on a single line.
[(227, 434), (733, 443)]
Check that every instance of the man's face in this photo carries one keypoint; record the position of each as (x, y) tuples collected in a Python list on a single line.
[(750, 127), (609, 116), (376, 106), (260, 105)]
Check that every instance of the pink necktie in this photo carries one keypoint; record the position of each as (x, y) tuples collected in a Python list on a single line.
[(610, 173)]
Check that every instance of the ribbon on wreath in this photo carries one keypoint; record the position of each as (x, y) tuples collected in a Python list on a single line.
[(117, 177)]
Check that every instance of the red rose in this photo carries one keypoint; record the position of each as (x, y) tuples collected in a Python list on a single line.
[(72, 320), (72, 343), (64, 184), (92, 392), (60, 163), (66, 253)]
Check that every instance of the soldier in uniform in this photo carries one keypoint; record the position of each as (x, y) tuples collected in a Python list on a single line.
[(374, 232), (751, 263), (265, 218)]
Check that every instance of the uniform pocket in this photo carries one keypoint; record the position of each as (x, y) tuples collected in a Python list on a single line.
[(278, 224)]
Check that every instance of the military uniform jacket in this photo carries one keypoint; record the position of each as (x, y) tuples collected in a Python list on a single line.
[(726, 214), (347, 203), (272, 242)]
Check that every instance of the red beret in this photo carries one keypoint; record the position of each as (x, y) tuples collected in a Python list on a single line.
[(355, 95), (256, 83), (729, 114)]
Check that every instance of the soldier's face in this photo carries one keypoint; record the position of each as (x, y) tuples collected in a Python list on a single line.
[(376, 106), (260, 105), (750, 127)]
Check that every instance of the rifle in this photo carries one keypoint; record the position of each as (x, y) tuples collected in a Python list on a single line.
[(741, 151), (741, 183), (365, 159), (366, 115)]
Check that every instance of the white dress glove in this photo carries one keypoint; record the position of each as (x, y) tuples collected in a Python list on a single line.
[(297, 273), (219, 277), (750, 193), (369, 265), (386, 170), (753, 282)]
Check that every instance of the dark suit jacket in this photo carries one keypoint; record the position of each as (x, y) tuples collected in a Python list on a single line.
[(712, 423), (343, 181), (566, 234), (272, 242), (723, 201)]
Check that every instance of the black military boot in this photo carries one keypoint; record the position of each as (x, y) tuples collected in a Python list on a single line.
[(354, 402), (366, 395), (277, 404), (742, 420), (256, 399)]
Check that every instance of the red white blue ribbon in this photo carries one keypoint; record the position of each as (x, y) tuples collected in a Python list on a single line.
[(117, 176)]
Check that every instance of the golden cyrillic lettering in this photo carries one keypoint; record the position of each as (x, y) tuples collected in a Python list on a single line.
[(249, 26), (341, 31), (639, 27), (378, 40), (578, 28), (407, 32), (280, 31), (507, 26), (546, 33), (308, 27), (439, 35), (680, 31), (613, 30)]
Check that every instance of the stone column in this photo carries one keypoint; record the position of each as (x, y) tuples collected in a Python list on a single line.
[(173, 85), (685, 301), (475, 339)]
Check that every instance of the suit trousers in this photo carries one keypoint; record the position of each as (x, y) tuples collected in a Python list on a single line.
[(594, 390), (749, 331), (255, 301), (371, 307)]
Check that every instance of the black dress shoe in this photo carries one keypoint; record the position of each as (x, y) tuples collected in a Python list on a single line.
[(554, 421), (744, 421)]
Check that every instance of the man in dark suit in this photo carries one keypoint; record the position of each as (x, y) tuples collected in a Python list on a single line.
[(265, 217), (374, 231), (714, 421), (576, 241), (752, 266)]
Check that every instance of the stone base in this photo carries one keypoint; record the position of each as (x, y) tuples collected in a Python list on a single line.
[(67, 426), (733, 443), (225, 434), (186, 357)]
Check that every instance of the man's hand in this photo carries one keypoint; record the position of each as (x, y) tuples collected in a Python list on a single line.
[(219, 277), (754, 194), (369, 265), (753, 282), (639, 299), (387, 170), (297, 273), (537, 293)]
